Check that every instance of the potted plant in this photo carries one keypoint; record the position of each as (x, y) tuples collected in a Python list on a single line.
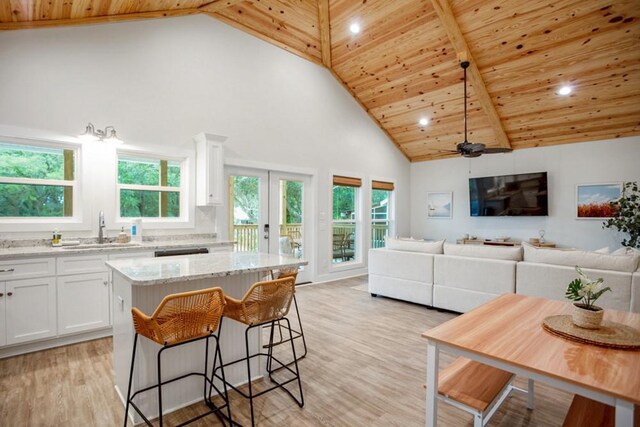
[(627, 218), (586, 292)]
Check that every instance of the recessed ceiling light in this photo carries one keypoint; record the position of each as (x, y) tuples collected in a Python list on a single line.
[(423, 121), (354, 28), (565, 90)]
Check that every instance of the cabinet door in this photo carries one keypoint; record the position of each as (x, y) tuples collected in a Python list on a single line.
[(30, 309), (209, 170), (3, 323), (83, 303)]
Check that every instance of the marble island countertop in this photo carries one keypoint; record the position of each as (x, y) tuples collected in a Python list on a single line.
[(93, 248), (155, 271)]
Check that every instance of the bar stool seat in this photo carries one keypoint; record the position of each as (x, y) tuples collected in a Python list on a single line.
[(264, 303), (180, 319)]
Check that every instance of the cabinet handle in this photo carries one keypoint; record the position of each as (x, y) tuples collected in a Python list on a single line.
[(105, 283), (9, 294), (1, 294), (7, 270)]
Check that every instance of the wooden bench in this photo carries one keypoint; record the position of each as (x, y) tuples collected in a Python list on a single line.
[(477, 388), (585, 412)]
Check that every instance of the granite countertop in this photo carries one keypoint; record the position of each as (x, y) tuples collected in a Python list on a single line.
[(44, 250), (155, 271)]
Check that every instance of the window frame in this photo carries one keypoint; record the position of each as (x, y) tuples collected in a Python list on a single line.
[(391, 210), (187, 184), (76, 221), (357, 261)]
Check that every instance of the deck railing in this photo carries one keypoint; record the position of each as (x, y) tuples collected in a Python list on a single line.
[(378, 232), (247, 235)]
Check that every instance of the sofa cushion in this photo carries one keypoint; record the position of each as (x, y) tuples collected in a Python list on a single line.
[(484, 251), (411, 245), (583, 259)]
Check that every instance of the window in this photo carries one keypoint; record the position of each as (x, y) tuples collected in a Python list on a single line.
[(149, 188), (345, 218), (380, 212), (37, 181)]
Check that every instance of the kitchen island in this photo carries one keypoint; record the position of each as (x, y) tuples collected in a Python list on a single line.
[(143, 282)]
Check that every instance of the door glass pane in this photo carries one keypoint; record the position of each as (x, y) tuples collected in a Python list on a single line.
[(344, 223), (290, 221), (244, 199), (379, 217)]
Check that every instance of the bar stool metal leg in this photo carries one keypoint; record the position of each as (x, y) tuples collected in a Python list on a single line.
[(133, 358)]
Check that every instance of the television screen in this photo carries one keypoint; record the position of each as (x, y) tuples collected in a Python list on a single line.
[(509, 195)]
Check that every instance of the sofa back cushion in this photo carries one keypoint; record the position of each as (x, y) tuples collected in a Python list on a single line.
[(484, 251), (583, 259), (411, 245)]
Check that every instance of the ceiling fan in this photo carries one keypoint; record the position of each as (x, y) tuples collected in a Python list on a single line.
[(473, 149)]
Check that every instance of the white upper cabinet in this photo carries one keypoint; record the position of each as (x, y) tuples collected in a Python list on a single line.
[(209, 169)]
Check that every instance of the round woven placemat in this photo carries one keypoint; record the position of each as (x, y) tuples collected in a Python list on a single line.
[(610, 334)]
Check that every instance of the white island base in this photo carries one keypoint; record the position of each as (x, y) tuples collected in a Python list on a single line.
[(146, 294)]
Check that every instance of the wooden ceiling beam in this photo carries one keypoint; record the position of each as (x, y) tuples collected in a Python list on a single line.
[(48, 23), (445, 13), (325, 31)]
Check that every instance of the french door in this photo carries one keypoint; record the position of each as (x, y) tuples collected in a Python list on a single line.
[(268, 212)]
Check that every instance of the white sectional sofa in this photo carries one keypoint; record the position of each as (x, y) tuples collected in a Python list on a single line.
[(546, 273), (404, 270), (462, 277), (467, 276)]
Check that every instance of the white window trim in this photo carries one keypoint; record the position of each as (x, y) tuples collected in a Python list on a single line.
[(358, 261), (186, 159), (78, 221)]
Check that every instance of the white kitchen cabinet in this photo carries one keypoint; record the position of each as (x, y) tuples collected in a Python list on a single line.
[(131, 255), (81, 264), (83, 302), (30, 309), (27, 268), (209, 169)]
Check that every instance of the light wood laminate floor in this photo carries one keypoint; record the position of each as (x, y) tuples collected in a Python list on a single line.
[(366, 367)]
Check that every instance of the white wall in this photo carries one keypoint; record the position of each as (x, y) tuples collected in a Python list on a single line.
[(160, 82), (567, 165)]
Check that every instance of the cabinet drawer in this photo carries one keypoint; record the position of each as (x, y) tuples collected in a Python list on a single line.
[(27, 268), (131, 255), (81, 264)]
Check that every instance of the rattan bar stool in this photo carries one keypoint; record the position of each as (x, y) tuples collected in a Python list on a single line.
[(281, 274), (182, 319), (264, 303)]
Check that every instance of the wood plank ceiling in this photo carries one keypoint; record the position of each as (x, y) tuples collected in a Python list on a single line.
[(404, 64)]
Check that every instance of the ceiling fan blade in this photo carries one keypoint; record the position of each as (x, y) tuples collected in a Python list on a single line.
[(496, 150)]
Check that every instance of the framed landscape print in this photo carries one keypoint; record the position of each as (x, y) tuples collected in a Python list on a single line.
[(593, 200), (439, 205)]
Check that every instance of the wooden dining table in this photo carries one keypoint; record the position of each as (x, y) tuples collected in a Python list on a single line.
[(507, 333)]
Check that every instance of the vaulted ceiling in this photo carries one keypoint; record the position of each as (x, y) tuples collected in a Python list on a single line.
[(404, 63)]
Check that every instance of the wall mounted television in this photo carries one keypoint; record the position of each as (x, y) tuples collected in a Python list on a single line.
[(509, 195)]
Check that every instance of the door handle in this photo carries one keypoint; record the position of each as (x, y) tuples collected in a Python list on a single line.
[(266, 232)]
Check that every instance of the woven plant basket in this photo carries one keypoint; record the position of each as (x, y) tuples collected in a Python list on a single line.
[(585, 318)]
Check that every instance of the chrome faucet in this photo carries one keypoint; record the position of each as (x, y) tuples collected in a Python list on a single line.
[(101, 227)]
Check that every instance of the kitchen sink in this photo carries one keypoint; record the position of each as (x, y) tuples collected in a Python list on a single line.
[(102, 245)]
